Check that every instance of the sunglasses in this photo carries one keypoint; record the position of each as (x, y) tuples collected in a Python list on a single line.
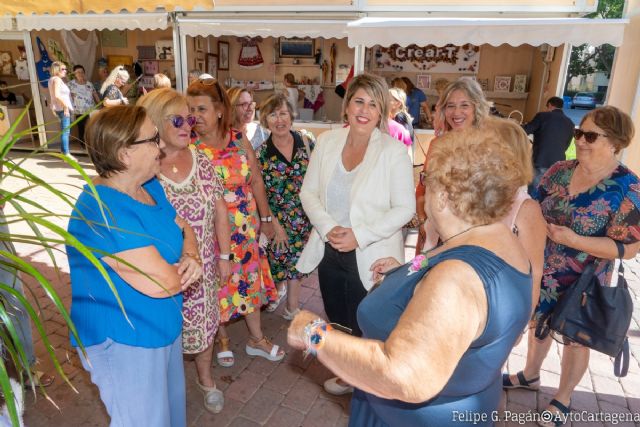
[(155, 139), (177, 120), (590, 137), (212, 82), (246, 105)]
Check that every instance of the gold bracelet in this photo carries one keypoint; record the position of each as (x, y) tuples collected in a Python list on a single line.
[(196, 257)]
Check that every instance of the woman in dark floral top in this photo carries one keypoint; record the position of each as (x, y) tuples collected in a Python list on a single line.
[(588, 203), (284, 158)]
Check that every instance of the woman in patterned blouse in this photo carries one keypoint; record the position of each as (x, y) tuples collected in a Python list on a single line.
[(588, 203)]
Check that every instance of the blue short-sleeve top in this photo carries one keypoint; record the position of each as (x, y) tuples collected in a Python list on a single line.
[(125, 224)]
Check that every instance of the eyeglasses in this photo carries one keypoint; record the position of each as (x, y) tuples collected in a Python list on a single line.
[(177, 120), (246, 105), (63, 69), (155, 139), (284, 115), (590, 137)]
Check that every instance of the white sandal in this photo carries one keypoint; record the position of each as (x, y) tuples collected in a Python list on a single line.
[(224, 353), (213, 398), (274, 304), (289, 315), (256, 351)]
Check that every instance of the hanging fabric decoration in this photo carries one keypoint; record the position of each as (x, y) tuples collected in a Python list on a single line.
[(250, 55), (43, 65), (79, 50)]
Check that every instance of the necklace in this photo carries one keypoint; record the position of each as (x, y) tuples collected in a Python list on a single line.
[(462, 232), (174, 168)]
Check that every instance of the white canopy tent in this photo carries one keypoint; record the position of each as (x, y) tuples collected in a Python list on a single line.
[(94, 21), (325, 28), (372, 31), (6, 23)]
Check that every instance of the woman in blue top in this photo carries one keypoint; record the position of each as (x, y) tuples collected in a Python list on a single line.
[(438, 329), (150, 255)]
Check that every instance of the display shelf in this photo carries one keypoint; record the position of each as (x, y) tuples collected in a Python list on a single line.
[(299, 65), (489, 94)]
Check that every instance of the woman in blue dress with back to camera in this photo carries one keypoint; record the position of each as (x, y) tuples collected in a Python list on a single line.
[(437, 330)]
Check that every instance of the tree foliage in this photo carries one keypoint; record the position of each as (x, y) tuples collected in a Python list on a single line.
[(587, 59)]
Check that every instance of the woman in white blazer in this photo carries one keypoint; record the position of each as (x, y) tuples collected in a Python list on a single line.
[(357, 193)]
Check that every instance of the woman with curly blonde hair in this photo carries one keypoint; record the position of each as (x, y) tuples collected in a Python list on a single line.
[(437, 330)]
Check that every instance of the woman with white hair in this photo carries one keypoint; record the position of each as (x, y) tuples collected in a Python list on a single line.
[(111, 91)]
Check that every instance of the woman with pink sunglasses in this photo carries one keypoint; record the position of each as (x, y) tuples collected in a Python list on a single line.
[(192, 187)]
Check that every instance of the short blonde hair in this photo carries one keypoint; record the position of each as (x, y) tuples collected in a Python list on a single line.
[(160, 80), (55, 67), (514, 138), (472, 89), (377, 88), (161, 103), (479, 174)]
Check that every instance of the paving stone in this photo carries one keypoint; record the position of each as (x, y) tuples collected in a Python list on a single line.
[(323, 413), (230, 411), (302, 395), (260, 407), (283, 378), (284, 416), (245, 386), (609, 390)]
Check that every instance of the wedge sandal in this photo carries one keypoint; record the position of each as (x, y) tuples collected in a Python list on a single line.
[(533, 384)]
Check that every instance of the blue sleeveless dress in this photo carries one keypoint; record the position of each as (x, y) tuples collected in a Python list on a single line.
[(475, 385)]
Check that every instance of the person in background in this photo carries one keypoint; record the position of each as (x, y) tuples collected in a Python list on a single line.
[(193, 76), (103, 73), (160, 80), (416, 99), (84, 98), (437, 330), (244, 111), (357, 193), (588, 204), (250, 285), (61, 105), (6, 96), (150, 256), (114, 86), (397, 129), (398, 110), (462, 105), (552, 133), (292, 92), (194, 190), (284, 158)]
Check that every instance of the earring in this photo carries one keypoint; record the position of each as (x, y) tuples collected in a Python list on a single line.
[(219, 115)]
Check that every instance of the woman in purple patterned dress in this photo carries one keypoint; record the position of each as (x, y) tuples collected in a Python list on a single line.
[(193, 188)]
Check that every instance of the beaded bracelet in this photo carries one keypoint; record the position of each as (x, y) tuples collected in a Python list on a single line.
[(314, 333)]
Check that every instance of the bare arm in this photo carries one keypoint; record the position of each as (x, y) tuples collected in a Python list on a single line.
[(601, 247), (531, 224), (58, 96), (258, 188), (223, 235), (155, 273), (447, 312)]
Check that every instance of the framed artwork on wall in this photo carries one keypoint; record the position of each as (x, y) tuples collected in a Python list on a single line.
[(150, 67), (212, 65), (423, 81), (223, 55), (520, 83), (200, 65), (484, 83), (164, 49), (146, 52), (296, 48), (113, 38), (6, 63), (198, 44), (502, 84)]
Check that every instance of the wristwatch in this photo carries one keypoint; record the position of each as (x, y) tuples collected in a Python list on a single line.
[(265, 218), (226, 257)]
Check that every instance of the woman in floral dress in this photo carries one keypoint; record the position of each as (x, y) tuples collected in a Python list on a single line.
[(195, 191), (588, 203), (284, 159), (250, 285)]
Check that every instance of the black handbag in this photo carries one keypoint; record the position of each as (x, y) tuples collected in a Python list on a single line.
[(594, 315)]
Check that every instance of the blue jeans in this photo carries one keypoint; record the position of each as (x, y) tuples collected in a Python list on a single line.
[(17, 313), (65, 123), (139, 386)]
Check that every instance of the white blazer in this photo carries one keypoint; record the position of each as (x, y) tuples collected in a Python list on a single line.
[(382, 200)]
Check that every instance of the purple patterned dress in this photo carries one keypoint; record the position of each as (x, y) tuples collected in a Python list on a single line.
[(194, 200)]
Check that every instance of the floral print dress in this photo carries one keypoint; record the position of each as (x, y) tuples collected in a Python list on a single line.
[(611, 208), (194, 200), (250, 284), (283, 181)]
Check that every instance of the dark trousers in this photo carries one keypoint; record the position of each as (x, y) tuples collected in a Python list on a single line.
[(537, 177), (341, 287), (82, 125)]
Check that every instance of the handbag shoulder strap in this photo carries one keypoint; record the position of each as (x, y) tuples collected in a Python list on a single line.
[(620, 248)]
